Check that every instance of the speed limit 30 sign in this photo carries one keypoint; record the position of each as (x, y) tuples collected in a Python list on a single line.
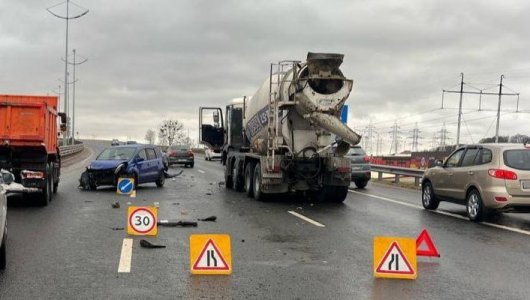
[(142, 220)]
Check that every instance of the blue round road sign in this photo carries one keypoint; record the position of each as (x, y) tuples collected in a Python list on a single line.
[(125, 186)]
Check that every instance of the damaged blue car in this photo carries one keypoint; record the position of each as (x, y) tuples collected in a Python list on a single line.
[(141, 162)]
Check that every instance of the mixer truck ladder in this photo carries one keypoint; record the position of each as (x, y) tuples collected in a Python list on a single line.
[(276, 81)]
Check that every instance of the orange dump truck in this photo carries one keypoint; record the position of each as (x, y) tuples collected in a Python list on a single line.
[(28, 142)]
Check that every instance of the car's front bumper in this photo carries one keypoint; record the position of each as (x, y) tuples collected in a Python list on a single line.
[(102, 177)]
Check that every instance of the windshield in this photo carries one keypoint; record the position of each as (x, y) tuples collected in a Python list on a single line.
[(517, 159), (124, 153), (356, 151)]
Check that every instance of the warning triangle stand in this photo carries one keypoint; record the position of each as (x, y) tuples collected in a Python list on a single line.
[(425, 246), (210, 258), (394, 262)]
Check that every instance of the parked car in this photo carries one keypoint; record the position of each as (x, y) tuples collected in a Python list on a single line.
[(360, 166), (487, 178), (210, 154), (6, 179), (181, 154), (115, 142), (141, 162)]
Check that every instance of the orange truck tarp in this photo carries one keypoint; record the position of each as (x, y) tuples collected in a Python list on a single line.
[(29, 121)]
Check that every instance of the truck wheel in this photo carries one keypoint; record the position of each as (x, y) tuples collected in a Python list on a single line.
[(237, 182), (249, 170), (228, 180), (3, 250), (55, 187), (256, 180), (340, 194), (46, 195)]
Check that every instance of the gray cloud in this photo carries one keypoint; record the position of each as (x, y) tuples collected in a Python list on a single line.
[(151, 60)]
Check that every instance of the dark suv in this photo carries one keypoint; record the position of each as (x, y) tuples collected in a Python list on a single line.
[(360, 166)]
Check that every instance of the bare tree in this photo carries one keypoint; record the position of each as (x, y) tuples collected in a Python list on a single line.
[(170, 131), (150, 136)]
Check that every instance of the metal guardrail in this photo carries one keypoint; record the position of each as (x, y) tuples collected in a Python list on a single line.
[(397, 171), (71, 149)]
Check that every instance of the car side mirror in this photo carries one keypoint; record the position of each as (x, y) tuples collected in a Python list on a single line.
[(139, 159), (439, 163)]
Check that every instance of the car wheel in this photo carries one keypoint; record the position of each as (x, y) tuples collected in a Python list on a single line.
[(3, 250), (256, 184), (161, 180), (361, 184), (428, 198), (249, 170), (476, 211), (237, 183), (191, 165)]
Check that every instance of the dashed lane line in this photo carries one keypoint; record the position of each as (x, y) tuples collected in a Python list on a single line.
[(200, 171), (126, 256), (445, 213), (306, 219)]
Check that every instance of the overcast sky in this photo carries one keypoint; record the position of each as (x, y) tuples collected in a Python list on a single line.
[(154, 60)]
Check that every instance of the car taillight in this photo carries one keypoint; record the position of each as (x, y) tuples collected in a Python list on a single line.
[(500, 199), (172, 153), (190, 153), (502, 174), (31, 174), (366, 158)]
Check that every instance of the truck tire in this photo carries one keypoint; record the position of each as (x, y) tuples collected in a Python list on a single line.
[(331, 193), (55, 187), (3, 250), (46, 194), (256, 184), (249, 177), (341, 192), (237, 181), (228, 180)]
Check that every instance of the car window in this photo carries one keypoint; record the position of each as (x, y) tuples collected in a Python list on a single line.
[(453, 160), (151, 154), (116, 153), (142, 154), (356, 151), (469, 157), (483, 157), (517, 159)]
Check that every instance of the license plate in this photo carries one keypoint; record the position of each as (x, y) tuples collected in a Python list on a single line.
[(181, 160), (355, 168), (525, 184)]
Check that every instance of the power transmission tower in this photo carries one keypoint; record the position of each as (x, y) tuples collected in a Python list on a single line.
[(415, 138), (369, 138), (443, 137), (434, 141), (67, 18), (481, 92), (395, 138)]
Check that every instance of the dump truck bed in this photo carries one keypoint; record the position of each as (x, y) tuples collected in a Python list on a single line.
[(28, 121)]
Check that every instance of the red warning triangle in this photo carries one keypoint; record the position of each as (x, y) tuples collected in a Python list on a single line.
[(210, 258), (394, 262), (425, 246)]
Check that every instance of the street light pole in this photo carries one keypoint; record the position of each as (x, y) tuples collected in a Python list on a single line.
[(67, 18), (74, 63)]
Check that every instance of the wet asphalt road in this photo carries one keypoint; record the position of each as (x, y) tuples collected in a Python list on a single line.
[(69, 250)]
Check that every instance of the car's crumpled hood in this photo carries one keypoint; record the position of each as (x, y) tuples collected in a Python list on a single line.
[(105, 164)]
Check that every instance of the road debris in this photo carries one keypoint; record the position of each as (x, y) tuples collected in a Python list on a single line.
[(117, 228), (167, 175), (221, 183), (147, 244), (209, 219), (208, 194), (173, 223), (116, 204)]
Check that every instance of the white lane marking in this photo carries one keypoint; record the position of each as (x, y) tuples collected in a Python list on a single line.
[(440, 212), (201, 171), (126, 256), (306, 219)]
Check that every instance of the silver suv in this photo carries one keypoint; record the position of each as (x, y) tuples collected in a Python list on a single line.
[(487, 178)]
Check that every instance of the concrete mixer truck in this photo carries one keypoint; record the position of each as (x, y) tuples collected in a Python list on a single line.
[(287, 137)]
